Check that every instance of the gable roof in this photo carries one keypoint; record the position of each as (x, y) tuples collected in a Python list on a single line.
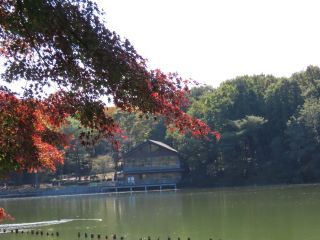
[(160, 144)]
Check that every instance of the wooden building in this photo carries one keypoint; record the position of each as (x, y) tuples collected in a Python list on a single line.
[(151, 162)]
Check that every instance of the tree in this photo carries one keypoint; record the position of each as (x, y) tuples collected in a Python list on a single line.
[(309, 81), (136, 128), (76, 157), (29, 135), (252, 112), (241, 147), (66, 44), (304, 140), (282, 100)]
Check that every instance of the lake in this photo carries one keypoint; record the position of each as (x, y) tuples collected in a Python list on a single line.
[(255, 213)]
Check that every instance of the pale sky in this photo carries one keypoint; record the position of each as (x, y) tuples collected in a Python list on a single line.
[(212, 41)]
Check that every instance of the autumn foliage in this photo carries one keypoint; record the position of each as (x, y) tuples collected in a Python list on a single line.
[(4, 215), (29, 136), (66, 45)]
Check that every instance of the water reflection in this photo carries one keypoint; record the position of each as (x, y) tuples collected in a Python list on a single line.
[(32, 225), (230, 214)]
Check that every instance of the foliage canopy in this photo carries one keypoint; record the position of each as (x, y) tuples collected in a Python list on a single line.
[(66, 45)]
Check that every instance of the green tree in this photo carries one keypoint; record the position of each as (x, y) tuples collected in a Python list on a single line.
[(77, 157), (241, 148), (282, 101), (304, 141)]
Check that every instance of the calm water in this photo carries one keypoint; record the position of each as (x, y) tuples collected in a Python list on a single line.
[(270, 213)]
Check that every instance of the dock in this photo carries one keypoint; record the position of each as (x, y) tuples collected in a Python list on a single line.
[(104, 187), (140, 187)]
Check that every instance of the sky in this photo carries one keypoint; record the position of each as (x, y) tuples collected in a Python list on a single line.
[(211, 41)]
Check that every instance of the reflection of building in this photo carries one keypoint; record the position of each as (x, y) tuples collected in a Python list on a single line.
[(151, 162)]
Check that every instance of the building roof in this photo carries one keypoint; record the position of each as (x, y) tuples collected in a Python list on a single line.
[(161, 144)]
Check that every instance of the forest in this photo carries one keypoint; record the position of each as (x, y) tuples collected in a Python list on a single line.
[(270, 130), (270, 134), (269, 126)]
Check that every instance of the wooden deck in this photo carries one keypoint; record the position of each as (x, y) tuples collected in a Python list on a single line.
[(140, 187), (89, 189)]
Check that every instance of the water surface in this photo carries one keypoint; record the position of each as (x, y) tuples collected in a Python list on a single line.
[(259, 213)]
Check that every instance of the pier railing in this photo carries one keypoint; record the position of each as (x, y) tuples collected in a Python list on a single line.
[(103, 187)]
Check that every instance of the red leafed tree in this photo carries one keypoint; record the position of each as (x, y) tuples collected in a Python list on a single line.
[(29, 136), (66, 45)]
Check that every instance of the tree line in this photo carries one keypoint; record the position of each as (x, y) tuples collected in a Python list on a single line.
[(269, 126), (270, 131)]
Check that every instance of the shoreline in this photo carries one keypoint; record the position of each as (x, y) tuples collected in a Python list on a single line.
[(85, 190), (103, 189)]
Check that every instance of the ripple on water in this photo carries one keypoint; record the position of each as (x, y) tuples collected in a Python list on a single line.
[(30, 225)]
